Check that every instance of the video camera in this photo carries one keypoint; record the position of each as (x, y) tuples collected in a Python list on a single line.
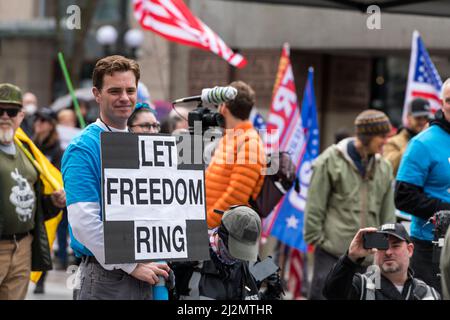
[(441, 221), (268, 273), (209, 97), (207, 118)]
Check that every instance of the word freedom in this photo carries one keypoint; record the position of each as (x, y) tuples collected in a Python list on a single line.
[(142, 191)]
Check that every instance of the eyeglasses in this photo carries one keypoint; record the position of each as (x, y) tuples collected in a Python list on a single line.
[(148, 126), (11, 112)]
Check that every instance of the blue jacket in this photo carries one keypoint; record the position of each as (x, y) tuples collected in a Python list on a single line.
[(82, 184), (424, 177)]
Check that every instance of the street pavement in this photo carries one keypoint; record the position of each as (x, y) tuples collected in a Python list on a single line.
[(55, 287)]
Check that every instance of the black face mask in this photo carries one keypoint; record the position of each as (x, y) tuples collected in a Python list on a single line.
[(223, 234), (223, 252)]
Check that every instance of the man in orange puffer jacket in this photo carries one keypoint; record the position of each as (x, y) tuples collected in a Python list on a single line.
[(237, 169)]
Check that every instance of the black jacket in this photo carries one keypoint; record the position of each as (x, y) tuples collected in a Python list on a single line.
[(411, 198), (344, 283), (52, 151), (217, 280)]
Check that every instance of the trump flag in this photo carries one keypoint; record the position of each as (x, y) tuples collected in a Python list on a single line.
[(299, 135)]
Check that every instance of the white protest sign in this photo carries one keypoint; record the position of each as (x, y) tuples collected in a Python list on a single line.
[(153, 207)]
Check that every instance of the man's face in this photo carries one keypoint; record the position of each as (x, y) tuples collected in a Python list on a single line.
[(417, 124), (117, 98), (446, 102), (396, 258), (9, 123), (376, 144)]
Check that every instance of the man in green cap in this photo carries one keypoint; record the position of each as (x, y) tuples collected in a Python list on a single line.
[(23, 239)]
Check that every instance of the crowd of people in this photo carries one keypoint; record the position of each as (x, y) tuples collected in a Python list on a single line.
[(358, 188)]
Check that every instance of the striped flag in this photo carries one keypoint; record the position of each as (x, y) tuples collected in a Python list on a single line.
[(173, 20), (295, 274), (284, 127), (423, 78)]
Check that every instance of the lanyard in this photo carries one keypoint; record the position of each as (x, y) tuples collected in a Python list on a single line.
[(105, 124)]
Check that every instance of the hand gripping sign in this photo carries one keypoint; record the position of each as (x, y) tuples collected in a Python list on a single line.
[(153, 207)]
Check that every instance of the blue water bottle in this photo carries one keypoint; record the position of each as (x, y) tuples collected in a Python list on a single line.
[(160, 291)]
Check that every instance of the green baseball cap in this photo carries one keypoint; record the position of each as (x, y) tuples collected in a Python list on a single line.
[(10, 94), (244, 229)]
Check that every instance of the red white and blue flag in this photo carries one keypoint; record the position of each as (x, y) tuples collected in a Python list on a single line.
[(423, 78), (257, 120), (297, 133), (173, 20)]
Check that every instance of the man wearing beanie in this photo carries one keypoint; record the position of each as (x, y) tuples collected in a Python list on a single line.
[(418, 116), (423, 187), (350, 189)]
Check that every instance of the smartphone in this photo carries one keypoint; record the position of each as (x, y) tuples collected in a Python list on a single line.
[(376, 240)]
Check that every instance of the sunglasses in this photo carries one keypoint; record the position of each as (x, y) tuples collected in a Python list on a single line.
[(11, 112), (148, 126)]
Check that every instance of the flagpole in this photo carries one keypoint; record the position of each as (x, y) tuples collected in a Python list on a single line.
[(62, 63)]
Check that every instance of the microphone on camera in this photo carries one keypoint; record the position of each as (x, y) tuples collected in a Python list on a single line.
[(212, 96)]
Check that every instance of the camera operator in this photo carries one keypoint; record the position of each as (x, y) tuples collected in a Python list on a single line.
[(227, 276), (235, 173), (389, 279)]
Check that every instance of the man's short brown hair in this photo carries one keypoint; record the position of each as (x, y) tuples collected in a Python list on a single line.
[(241, 106), (111, 64)]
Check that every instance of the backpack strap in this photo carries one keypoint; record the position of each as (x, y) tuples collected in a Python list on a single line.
[(368, 288), (422, 291)]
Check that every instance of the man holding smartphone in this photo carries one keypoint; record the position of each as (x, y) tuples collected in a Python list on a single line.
[(390, 278)]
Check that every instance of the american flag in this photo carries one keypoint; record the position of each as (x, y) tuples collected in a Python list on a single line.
[(295, 274), (423, 78), (173, 20)]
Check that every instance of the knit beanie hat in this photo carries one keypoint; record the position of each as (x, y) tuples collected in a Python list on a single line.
[(371, 123)]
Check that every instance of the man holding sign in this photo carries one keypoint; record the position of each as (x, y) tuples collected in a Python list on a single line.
[(115, 80)]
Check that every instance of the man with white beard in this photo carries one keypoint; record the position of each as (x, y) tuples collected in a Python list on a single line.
[(24, 207)]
